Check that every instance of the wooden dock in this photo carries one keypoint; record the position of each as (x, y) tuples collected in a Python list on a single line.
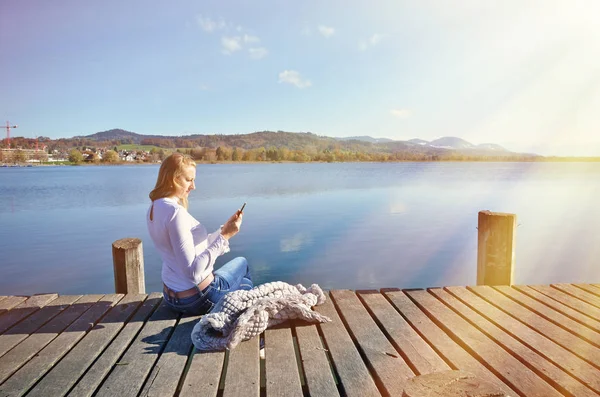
[(528, 340)]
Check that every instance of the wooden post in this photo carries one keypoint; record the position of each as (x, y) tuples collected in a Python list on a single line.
[(496, 248), (128, 264)]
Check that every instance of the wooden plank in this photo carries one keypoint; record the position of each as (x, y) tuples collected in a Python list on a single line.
[(204, 374), (243, 370), (510, 370), (281, 369), (558, 355), (317, 371), (387, 365), (578, 293), (528, 356), (10, 302), (20, 354), (2, 297), (37, 366), (589, 288), (449, 350), (23, 310), (95, 375), (127, 378), (30, 324), (351, 371), (552, 315), (558, 306), (420, 356), (567, 340), (64, 375), (167, 372), (568, 300)]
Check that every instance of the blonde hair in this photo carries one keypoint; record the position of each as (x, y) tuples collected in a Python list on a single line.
[(170, 169)]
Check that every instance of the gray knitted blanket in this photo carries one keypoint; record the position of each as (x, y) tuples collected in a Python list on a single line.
[(241, 315)]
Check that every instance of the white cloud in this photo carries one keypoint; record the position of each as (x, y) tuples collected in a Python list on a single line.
[(209, 25), (294, 78), (231, 44), (250, 39), (326, 31), (401, 113), (375, 39), (258, 53)]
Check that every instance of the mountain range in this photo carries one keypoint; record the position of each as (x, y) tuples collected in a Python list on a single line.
[(304, 140)]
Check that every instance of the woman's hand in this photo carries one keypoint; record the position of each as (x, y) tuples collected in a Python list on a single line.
[(232, 226)]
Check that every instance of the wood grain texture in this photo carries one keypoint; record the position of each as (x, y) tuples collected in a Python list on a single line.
[(568, 300), (539, 364), (561, 307), (281, 368), (66, 373), (353, 375), (38, 365), (317, 370), (87, 385), (19, 312), (128, 378), (559, 356), (552, 315), (204, 374), (448, 349), (165, 375), (552, 331), (243, 370), (419, 354), (9, 302), (32, 323), (578, 293), (20, 354)]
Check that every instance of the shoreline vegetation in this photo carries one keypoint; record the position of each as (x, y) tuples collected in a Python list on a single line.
[(124, 147)]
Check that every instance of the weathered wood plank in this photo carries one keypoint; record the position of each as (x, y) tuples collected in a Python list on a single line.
[(65, 374), (558, 355), (23, 310), (566, 339), (30, 324), (243, 370), (87, 385), (10, 302), (281, 368), (127, 378), (449, 350), (568, 300), (552, 315), (528, 356), (20, 354), (578, 293), (561, 307), (204, 374), (352, 373), (505, 366), (387, 365), (317, 371), (589, 288), (415, 350), (167, 372), (37, 366)]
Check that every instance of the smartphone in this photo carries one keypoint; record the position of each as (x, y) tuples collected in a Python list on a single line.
[(242, 209)]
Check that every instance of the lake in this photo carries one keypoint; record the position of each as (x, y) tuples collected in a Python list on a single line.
[(340, 225)]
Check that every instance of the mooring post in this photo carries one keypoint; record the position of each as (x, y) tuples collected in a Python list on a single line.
[(128, 265), (496, 248)]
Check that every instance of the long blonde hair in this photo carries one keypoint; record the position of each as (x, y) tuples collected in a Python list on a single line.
[(170, 169)]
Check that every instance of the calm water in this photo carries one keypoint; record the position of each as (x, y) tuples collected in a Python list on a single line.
[(339, 225)]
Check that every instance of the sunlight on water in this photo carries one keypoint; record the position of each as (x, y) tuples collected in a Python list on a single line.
[(339, 225)]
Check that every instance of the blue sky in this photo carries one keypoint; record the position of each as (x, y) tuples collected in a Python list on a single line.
[(524, 74)]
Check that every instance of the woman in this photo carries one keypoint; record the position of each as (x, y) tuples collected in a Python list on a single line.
[(188, 252)]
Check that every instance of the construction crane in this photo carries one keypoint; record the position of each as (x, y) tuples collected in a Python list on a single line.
[(8, 127)]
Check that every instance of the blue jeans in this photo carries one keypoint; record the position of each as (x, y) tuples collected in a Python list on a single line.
[(232, 276)]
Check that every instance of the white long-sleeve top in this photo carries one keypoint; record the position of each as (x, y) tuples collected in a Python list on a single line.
[(188, 252)]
